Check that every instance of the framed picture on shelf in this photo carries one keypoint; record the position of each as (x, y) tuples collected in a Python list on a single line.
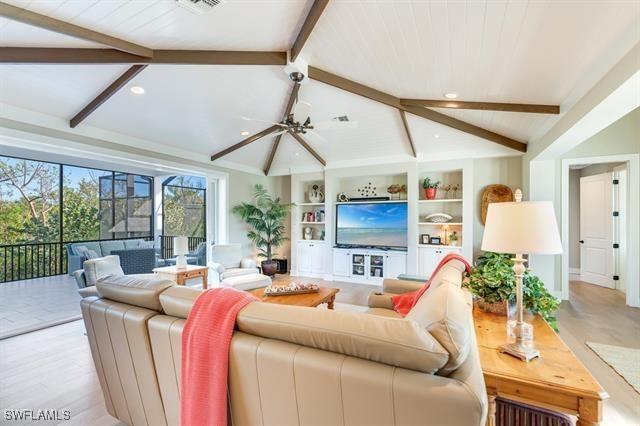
[(424, 238), (436, 241)]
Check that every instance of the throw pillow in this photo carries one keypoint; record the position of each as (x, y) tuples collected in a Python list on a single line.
[(91, 254), (82, 251), (147, 244)]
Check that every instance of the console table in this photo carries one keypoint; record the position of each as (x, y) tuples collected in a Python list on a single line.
[(557, 381)]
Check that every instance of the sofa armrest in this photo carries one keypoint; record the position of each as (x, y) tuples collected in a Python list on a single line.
[(400, 286), (380, 300), (74, 262), (80, 279), (247, 263), (216, 267)]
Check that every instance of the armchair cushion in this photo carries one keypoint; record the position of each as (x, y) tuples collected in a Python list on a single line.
[(94, 269), (236, 272), (228, 255), (248, 262)]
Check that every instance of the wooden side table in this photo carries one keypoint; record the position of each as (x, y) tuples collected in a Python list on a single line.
[(557, 381), (180, 276)]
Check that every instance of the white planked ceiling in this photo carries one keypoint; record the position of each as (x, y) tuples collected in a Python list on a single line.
[(518, 51)]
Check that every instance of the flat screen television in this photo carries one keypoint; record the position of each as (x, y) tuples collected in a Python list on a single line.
[(382, 225)]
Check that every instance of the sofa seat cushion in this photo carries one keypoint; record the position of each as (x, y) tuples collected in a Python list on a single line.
[(140, 290), (88, 292), (246, 281), (94, 269), (444, 312), (236, 272), (391, 341), (108, 246), (382, 312)]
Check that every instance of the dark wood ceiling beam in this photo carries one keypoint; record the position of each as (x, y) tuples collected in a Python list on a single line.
[(403, 115), (276, 143), (387, 99), (484, 106), (106, 94), (42, 21), (306, 146), (246, 141), (40, 55), (312, 18)]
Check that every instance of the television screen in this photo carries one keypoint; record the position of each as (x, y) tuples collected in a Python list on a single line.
[(372, 224)]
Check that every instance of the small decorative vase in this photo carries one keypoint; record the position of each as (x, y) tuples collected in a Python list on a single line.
[(269, 267), (503, 308), (430, 193)]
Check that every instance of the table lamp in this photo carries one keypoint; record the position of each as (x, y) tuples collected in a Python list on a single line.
[(521, 227), (180, 249)]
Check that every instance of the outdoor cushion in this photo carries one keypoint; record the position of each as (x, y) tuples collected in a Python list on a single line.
[(146, 244), (95, 269), (109, 246), (93, 245), (86, 253), (132, 244)]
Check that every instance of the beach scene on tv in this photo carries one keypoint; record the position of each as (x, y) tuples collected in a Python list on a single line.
[(383, 225)]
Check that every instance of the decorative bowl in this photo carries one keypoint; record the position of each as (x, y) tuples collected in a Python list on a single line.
[(439, 218)]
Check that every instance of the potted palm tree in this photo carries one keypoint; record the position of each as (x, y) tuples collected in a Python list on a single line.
[(266, 222)]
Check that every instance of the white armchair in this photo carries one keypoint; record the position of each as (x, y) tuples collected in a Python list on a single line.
[(227, 261)]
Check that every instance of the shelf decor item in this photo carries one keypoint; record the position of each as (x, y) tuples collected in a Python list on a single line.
[(308, 233), (289, 289), (266, 222), (315, 195), (435, 241), (342, 197), (521, 227), (425, 238), (430, 188), (453, 239), (438, 218), (395, 191), (494, 194), (367, 191)]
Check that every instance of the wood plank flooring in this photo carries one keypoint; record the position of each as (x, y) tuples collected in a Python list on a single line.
[(52, 368)]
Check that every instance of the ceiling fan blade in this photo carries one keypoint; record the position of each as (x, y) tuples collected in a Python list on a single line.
[(301, 111), (315, 135), (263, 121), (280, 132), (335, 125)]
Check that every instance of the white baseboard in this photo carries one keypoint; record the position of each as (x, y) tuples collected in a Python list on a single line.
[(575, 271)]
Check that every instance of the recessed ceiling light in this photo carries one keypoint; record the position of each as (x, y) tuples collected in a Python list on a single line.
[(451, 95), (297, 154), (244, 133), (137, 90), (436, 136)]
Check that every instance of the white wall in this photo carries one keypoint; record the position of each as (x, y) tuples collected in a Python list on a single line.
[(574, 218), (488, 171)]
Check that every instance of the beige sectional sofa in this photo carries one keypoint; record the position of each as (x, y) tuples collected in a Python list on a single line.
[(294, 365)]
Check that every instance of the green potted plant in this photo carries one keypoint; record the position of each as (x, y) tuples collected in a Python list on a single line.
[(266, 221), (453, 238), (430, 188), (493, 282)]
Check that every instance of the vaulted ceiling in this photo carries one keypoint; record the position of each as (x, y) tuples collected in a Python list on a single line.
[(537, 52)]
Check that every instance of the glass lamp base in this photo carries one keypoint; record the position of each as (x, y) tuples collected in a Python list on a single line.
[(520, 350)]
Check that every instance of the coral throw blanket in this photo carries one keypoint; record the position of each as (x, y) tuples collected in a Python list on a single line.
[(205, 356), (403, 303)]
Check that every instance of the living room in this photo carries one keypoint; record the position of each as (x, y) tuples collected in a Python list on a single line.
[(373, 201)]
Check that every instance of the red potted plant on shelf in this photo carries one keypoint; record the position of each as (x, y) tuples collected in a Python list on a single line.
[(266, 222), (430, 188)]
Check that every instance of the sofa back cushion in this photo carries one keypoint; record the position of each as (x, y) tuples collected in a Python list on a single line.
[(94, 245), (131, 244), (443, 311), (228, 255), (141, 290), (452, 272), (108, 246), (94, 269)]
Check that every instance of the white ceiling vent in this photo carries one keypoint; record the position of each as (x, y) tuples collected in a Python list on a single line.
[(199, 7)]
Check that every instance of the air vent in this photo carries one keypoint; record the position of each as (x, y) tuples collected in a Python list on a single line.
[(341, 118), (199, 7)]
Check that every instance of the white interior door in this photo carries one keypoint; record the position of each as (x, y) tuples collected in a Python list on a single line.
[(596, 230)]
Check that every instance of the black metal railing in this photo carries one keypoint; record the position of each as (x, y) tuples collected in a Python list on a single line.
[(25, 261), (166, 244)]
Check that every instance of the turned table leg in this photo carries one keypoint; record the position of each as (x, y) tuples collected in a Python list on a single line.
[(589, 412), (205, 279), (330, 302), (491, 414)]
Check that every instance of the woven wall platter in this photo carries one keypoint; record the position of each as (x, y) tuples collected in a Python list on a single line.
[(494, 194)]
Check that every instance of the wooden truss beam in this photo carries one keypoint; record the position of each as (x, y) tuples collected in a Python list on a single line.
[(246, 141), (45, 55), (484, 106), (385, 98), (306, 146), (403, 115), (31, 18), (106, 94), (276, 143), (312, 18)]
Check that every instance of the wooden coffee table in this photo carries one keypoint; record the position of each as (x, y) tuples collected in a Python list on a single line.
[(324, 295), (557, 380), (180, 276)]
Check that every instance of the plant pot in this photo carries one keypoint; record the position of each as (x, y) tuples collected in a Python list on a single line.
[(503, 308), (430, 193), (269, 267)]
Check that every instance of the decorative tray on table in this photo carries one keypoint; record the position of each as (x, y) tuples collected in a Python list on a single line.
[(289, 289)]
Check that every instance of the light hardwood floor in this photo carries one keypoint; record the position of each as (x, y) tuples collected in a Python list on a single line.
[(52, 368)]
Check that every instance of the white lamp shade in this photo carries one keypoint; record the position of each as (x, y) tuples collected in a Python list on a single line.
[(180, 246), (526, 227)]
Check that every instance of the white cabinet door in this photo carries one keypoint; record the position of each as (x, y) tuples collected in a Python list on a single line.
[(395, 264), (317, 258), (341, 263), (446, 251), (305, 256), (427, 260)]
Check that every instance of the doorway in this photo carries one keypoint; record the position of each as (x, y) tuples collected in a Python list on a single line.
[(599, 224)]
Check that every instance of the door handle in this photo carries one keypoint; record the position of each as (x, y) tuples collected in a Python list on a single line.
[(581, 241)]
